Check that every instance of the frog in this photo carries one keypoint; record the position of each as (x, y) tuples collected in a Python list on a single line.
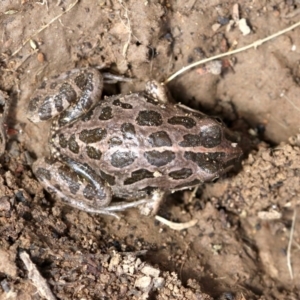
[(136, 147)]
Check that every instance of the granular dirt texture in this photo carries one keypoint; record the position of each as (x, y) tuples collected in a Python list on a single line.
[(268, 182), (246, 240)]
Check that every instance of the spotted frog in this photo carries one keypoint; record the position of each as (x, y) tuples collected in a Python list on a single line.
[(136, 146)]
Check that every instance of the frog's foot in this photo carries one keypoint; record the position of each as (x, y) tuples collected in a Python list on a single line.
[(157, 91), (152, 203), (77, 185)]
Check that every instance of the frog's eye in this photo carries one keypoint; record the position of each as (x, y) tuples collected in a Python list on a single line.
[(219, 120)]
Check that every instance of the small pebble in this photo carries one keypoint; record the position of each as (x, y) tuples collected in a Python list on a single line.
[(143, 282), (215, 27)]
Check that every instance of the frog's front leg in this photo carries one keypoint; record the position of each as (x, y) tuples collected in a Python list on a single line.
[(79, 186), (157, 91), (153, 203)]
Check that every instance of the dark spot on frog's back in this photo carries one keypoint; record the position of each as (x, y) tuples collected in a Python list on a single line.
[(208, 162), (159, 159), (63, 142), (181, 174), (93, 153), (159, 139), (111, 180), (128, 130), (149, 118), (121, 159), (123, 105), (106, 113), (92, 135), (211, 136), (70, 178), (191, 140), (73, 145), (183, 121), (138, 175)]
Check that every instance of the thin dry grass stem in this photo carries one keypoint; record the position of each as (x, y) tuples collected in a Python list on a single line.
[(130, 33), (288, 257), (44, 27), (291, 102), (253, 45), (278, 122)]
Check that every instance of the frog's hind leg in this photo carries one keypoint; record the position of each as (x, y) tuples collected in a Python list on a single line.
[(71, 95), (82, 189)]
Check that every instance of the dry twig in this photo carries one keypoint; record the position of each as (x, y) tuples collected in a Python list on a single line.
[(253, 45), (37, 279)]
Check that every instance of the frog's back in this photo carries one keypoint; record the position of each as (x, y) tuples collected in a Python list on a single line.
[(138, 142)]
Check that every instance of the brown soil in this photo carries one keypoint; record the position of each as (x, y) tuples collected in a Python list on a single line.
[(239, 247)]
